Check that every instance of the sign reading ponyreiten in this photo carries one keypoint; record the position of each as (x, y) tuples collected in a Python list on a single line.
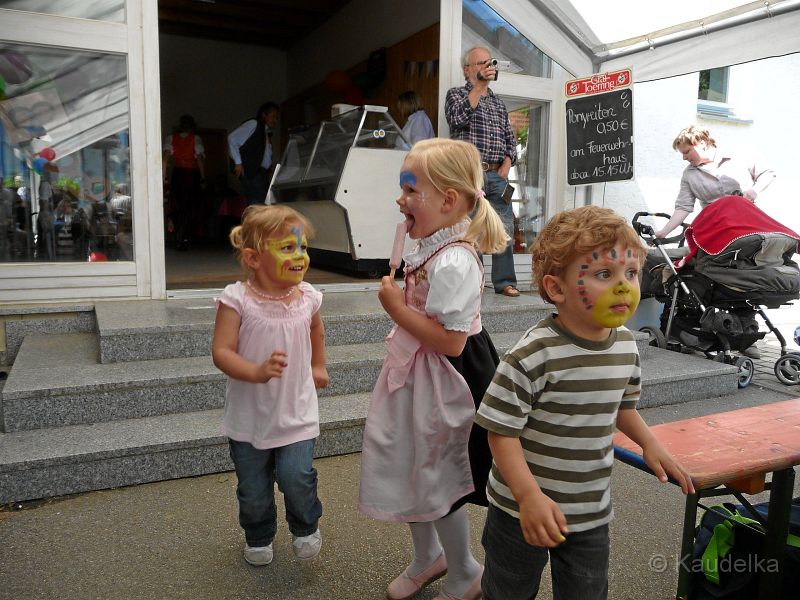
[(599, 114)]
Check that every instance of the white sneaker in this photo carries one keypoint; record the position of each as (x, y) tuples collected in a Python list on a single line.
[(307, 546), (258, 557)]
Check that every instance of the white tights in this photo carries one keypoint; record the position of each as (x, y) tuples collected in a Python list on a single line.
[(451, 534)]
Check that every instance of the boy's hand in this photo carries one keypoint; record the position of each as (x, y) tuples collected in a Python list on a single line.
[(320, 376), (662, 464), (390, 295), (272, 367), (542, 522)]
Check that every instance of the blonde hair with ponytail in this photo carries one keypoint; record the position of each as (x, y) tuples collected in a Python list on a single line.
[(261, 223), (453, 164)]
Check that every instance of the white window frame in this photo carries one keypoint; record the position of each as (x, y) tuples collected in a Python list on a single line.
[(137, 39)]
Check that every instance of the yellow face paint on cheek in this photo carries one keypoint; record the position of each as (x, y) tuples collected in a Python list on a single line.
[(291, 257), (615, 306)]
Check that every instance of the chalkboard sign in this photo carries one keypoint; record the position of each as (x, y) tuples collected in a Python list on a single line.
[(600, 137)]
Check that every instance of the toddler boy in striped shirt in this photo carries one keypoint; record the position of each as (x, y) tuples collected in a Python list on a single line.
[(552, 408)]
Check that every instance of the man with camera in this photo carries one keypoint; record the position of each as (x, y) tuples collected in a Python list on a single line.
[(476, 115)]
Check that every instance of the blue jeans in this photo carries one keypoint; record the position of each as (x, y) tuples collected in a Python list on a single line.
[(513, 568), (257, 470), (503, 273)]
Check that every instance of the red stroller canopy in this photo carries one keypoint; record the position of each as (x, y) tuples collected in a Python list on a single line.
[(726, 220)]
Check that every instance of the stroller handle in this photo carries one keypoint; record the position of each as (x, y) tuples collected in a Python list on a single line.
[(648, 233)]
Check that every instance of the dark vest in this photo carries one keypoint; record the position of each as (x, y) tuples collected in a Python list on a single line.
[(252, 151)]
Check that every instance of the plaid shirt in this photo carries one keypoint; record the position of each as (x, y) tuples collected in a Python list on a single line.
[(486, 126)]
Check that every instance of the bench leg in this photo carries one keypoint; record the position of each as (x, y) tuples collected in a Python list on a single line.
[(774, 548), (687, 546)]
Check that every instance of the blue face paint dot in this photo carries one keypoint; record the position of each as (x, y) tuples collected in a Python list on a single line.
[(613, 253), (584, 267), (630, 253), (595, 255), (407, 178), (580, 282)]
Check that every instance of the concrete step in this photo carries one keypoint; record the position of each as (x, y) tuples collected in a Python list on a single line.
[(151, 330), (118, 442), (64, 460), (79, 458), (74, 388)]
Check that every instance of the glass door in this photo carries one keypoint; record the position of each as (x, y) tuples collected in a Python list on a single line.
[(529, 119)]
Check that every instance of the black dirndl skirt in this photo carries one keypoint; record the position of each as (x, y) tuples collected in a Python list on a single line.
[(477, 364)]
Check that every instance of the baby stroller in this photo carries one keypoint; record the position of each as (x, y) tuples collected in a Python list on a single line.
[(738, 263)]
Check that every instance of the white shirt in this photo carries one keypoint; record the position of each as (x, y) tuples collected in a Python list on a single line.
[(418, 127), (455, 277)]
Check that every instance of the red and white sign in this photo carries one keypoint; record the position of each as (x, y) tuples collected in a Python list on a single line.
[(599, 83)]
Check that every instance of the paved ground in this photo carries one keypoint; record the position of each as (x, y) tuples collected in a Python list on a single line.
[(180, 539)]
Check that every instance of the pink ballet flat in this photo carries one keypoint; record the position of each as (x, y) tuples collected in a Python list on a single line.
[(405, 586), (473, 591)]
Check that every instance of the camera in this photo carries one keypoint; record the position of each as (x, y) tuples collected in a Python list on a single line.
[(499, 65)]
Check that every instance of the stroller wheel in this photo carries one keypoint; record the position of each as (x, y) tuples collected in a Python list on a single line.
[(746, 370), (655, 337), (787, 369)]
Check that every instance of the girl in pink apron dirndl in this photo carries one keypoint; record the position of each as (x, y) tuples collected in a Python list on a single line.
[(422, 456)]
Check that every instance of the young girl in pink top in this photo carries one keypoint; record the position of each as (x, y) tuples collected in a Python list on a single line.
[(269, 341), (422, 457)]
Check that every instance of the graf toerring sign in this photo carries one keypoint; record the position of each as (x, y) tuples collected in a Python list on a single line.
[(599, 115)]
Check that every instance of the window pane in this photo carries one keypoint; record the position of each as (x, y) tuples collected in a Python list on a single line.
[(714, 85), (64, 156), (529, 175), (482, 26), (100, 10)]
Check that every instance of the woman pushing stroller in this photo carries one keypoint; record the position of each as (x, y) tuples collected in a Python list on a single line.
[(711, 173)]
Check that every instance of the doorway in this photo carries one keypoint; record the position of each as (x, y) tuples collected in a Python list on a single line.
[(302, 76)]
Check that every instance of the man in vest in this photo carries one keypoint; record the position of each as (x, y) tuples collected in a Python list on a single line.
[(251, 151), (186, 150)]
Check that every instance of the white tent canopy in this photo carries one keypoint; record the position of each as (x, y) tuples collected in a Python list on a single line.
[(666, 39)]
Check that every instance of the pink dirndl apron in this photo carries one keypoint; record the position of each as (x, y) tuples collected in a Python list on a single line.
[(414, 459)]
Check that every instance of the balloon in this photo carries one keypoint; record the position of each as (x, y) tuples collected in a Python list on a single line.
[(354, 95), (97, 256), (337, 80), (39, 163), (48, 153)]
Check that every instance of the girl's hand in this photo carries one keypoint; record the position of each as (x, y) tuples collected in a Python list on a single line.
[(542, 522), (391, 296), (320, 376), (272, 367)]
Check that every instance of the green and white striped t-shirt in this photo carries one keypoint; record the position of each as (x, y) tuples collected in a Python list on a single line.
[(560, 394)]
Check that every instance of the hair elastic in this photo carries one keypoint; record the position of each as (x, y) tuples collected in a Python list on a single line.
[(479, 194)]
